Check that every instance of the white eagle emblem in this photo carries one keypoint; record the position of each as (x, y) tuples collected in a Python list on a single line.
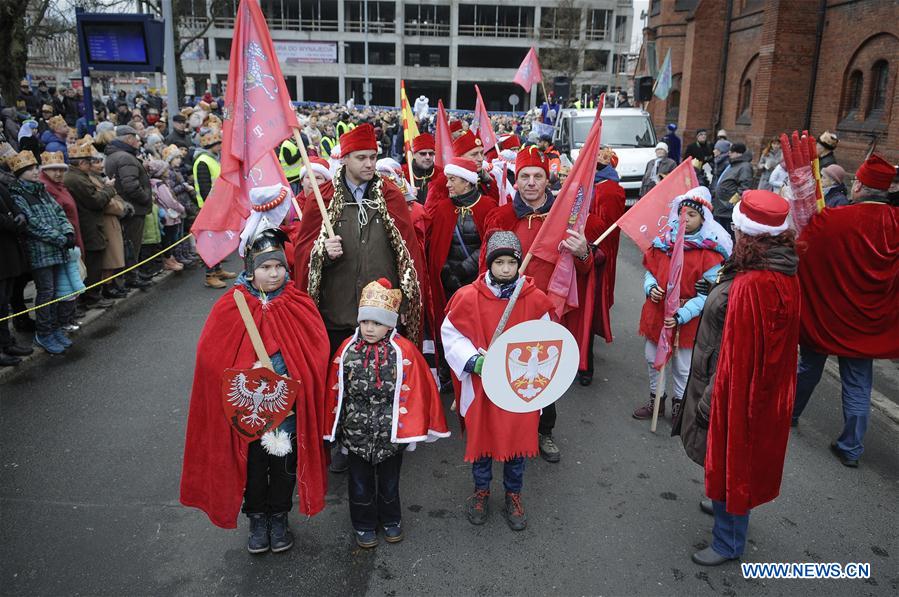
[(258, 400), (529, 378)]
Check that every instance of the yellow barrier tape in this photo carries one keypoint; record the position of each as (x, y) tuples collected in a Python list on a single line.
[(101, 282)]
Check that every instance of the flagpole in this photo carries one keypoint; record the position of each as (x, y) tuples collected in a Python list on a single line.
[(315, 190), (660, 386), (603, 236)]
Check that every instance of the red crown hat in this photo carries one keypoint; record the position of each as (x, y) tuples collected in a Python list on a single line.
[(761, 212), (876, 173), (319, 166), (465, 143), (464, 168), (530, 157), (512, 141), (455, 126), (361, 138), (423, 142)]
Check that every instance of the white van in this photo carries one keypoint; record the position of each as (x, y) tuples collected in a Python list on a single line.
[(628, 131)]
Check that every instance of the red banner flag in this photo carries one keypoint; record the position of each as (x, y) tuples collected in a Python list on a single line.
[(672, 299), (258, 117), (569, 212), (480, 123), (529, 72), (443, 138), (649, 216)]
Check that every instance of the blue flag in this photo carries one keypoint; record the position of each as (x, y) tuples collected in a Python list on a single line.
[(663, 82)]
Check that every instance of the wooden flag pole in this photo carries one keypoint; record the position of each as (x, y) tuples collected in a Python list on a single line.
[(545, 95), (252, 330), (660, 386), (411, 172), (603, 236), (318, 194)]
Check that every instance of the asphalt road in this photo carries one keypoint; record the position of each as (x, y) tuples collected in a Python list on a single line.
[(91, 451)]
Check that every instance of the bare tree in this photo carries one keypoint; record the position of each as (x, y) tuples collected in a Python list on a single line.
[(561, 43)]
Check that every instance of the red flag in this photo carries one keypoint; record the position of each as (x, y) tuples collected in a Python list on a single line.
[(443, 138), (649, 216), (480, 123), (529, 71), (672, 299), (570, 210), (258, 117)]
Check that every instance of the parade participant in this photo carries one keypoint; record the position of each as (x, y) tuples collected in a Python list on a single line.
[(706, 246), (468, 145), (206, 170), (425, 175), (382, 400), (321, 169), (735, 420), (524, 216), (545, 144), (849, 275), (456, 129), (220, 469), (492, 433), (374, 238)]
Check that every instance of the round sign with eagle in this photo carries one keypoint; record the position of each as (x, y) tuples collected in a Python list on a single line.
[(530, 366)]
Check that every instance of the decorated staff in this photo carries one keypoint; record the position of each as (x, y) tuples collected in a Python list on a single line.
[(492, 433), (253, 434)]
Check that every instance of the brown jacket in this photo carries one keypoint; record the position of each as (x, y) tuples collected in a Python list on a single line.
[(91, 201)]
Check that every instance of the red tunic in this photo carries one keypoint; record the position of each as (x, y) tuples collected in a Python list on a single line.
[(754, 390), (608, 206), (491, 431), (849, 274), (657, 262), (214, 473)]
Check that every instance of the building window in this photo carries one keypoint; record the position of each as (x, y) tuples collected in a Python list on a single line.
[(745, 111), (655, 8), (426, 20), (853, 94), (880, 76), (599, 27)]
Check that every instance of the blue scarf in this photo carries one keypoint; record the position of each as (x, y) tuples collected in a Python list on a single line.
[(607, 172), (522, 209)]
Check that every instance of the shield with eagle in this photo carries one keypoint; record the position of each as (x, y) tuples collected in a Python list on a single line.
[(530, 366), (256, 401)]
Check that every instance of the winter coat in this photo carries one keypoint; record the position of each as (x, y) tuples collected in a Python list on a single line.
[(91, 200), (733, 181), (12, 235), (666, 165), (171, 210), (767, 165), (52, 142), (132, 183), (183, 192), (47, 224), (179, 138), (114, 255), (835, 196)]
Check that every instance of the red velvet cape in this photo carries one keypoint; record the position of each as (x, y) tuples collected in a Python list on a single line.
[(441, 222), (849, 274), (754, 391), (214, 473), (436, 184), (608, 206), (491, 431)]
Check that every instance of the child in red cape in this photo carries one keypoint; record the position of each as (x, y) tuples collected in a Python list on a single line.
[(221, 470), (492, 433), (381, 401)]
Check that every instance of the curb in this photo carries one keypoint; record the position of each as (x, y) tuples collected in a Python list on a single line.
[(87, 322), (879, 402)]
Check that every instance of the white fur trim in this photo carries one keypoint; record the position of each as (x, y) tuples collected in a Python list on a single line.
[(318, 169), (747, 226), (452, 169), (277, 443)]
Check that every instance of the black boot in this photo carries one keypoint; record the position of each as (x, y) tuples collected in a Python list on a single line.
[(258, 541), (281, 537), (645, 412)]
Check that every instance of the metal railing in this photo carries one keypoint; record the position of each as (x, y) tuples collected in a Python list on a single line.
[(426, 29), (598, 34), (496, 30), (280, 24), (373, 26)]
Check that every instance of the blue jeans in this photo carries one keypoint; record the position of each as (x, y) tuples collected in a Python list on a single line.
[(45, 290), (856, 378), (729, 532), (513, 474)]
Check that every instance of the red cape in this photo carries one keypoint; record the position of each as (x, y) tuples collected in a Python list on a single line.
[(490, 430), (441, 223), (214, 473), (849, 274), (436, 184), (752, 399), (608, 206)]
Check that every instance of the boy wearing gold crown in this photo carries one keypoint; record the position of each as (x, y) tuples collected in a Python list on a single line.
[(382, 400)]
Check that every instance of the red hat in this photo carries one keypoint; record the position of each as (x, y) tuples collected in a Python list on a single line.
[(464, 168), (319, 166), (361, 138), (512, 141), (761, 212), (423, 142), (465, 143), (455, 126), (530, 157), (876, 173)]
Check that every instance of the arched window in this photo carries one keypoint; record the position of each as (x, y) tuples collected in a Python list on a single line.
[(744, 113), (880, 76), (854, 89)]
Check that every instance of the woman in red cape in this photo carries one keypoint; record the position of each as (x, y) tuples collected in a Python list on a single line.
[(214, 473)]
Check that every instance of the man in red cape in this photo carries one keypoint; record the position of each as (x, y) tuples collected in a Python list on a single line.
[(524, 216), (426, 177), (468, 145), (850, 280), (491, 432), (215, 471)]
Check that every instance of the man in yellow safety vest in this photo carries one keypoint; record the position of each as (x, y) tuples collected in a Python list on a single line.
[(206, 170)]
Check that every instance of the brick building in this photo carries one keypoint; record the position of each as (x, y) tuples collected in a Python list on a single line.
[(761, 67)]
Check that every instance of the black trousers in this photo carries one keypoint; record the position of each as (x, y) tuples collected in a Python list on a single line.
[(374, 491), (270, 480), (133, 235), (6, 286), (93, 262), (547, 420)]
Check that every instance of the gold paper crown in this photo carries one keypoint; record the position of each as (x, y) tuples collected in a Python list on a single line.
[(21, 160), (170, 152), (57, 121), (379, 294), (81, 151), (211, 138), (53, 159)]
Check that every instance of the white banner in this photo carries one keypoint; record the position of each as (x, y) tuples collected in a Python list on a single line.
[(308, 52)]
